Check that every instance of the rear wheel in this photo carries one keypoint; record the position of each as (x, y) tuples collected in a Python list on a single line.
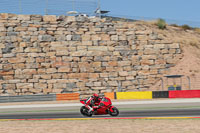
[(115, 112), (84, 111)]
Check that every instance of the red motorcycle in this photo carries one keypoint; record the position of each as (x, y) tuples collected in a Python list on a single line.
[(104, 108)]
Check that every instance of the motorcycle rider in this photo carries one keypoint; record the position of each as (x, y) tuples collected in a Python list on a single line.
[(92, 102)]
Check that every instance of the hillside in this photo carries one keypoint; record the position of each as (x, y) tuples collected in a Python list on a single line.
[(189, 65)]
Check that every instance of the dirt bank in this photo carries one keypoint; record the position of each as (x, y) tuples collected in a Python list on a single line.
[(102, 126)]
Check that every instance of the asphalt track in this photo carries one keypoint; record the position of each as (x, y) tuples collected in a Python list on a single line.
[(130, 113), (128, 109)]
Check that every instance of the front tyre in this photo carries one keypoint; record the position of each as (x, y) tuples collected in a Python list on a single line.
[(84, 111), (115, 112)]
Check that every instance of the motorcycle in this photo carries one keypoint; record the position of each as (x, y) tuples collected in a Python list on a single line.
[(104, 108)]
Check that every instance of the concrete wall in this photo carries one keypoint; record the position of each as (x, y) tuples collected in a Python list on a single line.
[(63, 54)]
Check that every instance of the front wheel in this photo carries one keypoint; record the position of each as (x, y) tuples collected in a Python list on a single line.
[(84, 111), (115, 112)]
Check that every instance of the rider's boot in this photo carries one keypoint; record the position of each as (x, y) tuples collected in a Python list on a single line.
[(90, 111)]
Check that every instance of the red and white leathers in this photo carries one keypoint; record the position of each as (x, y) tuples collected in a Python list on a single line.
[(92, 103)]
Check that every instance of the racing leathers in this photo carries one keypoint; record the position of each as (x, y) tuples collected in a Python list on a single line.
[(92, 103)]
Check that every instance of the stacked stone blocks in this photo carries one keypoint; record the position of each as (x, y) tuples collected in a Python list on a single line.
[(64, 54)]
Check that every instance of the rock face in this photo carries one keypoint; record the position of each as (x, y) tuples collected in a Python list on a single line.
[(49, 54)]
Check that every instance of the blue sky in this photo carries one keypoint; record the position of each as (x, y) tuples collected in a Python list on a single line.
[(174, 11), (179, 10)]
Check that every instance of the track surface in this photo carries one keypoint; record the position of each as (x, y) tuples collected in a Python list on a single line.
[(142, 113), (150, 108)]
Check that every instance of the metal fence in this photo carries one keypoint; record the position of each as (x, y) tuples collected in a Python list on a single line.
[(50, 7), (183, 83), (63, 7), (27, 98)]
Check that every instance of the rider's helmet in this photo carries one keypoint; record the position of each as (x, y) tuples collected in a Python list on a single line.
[(96, 96)]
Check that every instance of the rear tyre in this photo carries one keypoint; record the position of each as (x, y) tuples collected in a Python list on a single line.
[(84, 111), (115, 112)]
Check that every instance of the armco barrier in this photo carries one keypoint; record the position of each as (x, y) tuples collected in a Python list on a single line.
[(184, 94), (27, 98), (160, 94), (33, 98), (67, 96), (134, 95), (111, 95)]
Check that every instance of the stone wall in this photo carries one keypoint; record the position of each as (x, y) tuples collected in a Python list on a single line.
[(63, 54)]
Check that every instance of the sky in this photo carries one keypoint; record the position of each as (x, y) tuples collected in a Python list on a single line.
[(173, 11), (186, 11)]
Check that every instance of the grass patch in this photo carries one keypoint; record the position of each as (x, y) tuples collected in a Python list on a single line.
[(174, 25), (186, 27), (161, 24)]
